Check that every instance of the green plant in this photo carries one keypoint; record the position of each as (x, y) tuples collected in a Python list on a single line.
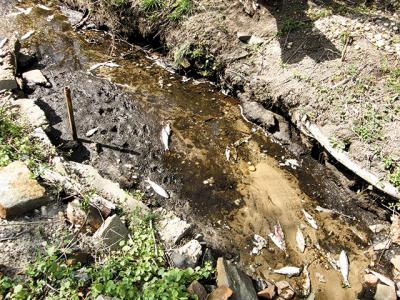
[(394, 178), (17, 144), (369, 126), (290, 25), (393, 80), (137, 271), (337, 144), (181, 7), (151, 5)]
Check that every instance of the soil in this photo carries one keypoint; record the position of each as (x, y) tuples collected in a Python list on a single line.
[(228, 200)]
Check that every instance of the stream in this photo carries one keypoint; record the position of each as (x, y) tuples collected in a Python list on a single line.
[(229, 201)]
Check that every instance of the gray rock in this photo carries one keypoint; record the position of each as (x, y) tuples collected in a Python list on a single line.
[(7, 79), (19, 192), (244, 36), (385, 292), (35, 77), (111, 233), (33, 114), (171, 228), (255, 40), (187, 255), (197, 289), (256, 113), (8, 64), (229, 276)]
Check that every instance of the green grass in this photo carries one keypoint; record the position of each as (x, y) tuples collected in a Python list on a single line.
[(369, 127), (290, 25), (394, 178), (17, 144), (151, 5), (393, 80), (182, 7), (137, 271)]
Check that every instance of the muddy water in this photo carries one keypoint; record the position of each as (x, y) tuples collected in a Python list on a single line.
[(229, 201)]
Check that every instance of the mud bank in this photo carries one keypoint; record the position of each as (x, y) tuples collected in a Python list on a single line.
[(229, 200)]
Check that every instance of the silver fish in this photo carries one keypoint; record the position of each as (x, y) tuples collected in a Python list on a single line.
[(165, 133), (158, 189), (307, 282), (278, 237), (288, 271), (228, 153), (109, 64), (27, 35), (381, 277), (301, 243), (310, 219), (344, 268)]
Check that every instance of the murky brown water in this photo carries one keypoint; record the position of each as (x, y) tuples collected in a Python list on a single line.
[(230, 201)]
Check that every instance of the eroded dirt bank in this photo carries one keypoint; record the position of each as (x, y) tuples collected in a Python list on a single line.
[(229, 200)]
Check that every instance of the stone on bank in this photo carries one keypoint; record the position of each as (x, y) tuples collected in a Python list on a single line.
[(19, 192)]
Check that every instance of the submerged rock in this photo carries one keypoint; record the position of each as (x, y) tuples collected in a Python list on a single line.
[(19, 192), (196, 289), (229, 276)]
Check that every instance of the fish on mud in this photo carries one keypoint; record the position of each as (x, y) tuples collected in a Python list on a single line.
[(381, 277), (310, 220), (278, 237), (301, 243), (344, 268), (165, 134), (228, 153), (158, 189), (289, 271), (307, 282), (109, 64)]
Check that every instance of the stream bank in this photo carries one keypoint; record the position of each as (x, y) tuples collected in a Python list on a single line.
[(228, 200)]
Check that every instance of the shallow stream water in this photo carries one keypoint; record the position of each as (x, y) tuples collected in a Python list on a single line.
[(228, 200)]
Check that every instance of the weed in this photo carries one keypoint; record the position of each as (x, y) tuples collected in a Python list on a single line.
[(318, 13), (338, 144), (369, 126), (394, 178), (393, 80), (290, 25), (137, 271), (16, 144), (151, 5), (181, 7)]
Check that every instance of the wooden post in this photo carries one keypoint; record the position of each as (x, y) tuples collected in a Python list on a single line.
[(67, 94)]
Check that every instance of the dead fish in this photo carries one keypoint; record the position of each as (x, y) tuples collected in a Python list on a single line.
[(292, 163), (307, 283), (3, 42), (92, 131), (310, 220), (278, 237), (165, 133), (158, 189), (289, 271), (344, 268), (109, 64), (332, 262), (301, 243), (27, 35), (228, 153), (381, 277), (41, 6)]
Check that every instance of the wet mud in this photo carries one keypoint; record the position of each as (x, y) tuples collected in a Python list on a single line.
[(228, 200)]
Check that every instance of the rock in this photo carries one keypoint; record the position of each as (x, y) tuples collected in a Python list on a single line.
[(92, 131), (395, 230), (77, 216), (255, 40), (8, 64), (221, 293), (240, 284), (171, 228), (268, 292), (32, 113), (19, 192), (382, 245), (25, 59), (256, 113), (396, 262), (385, 292), (370, 280), (281, 285), (106, 188), (252, 168), (287, 294), (111, 233), (378, 228), (243, 36), (197, 289), (187, 256), (35, 77)]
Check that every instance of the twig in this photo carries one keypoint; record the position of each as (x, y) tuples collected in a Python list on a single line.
[(295, 52), (154, 238), (345, 47), (31, 223), (14, 237)]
